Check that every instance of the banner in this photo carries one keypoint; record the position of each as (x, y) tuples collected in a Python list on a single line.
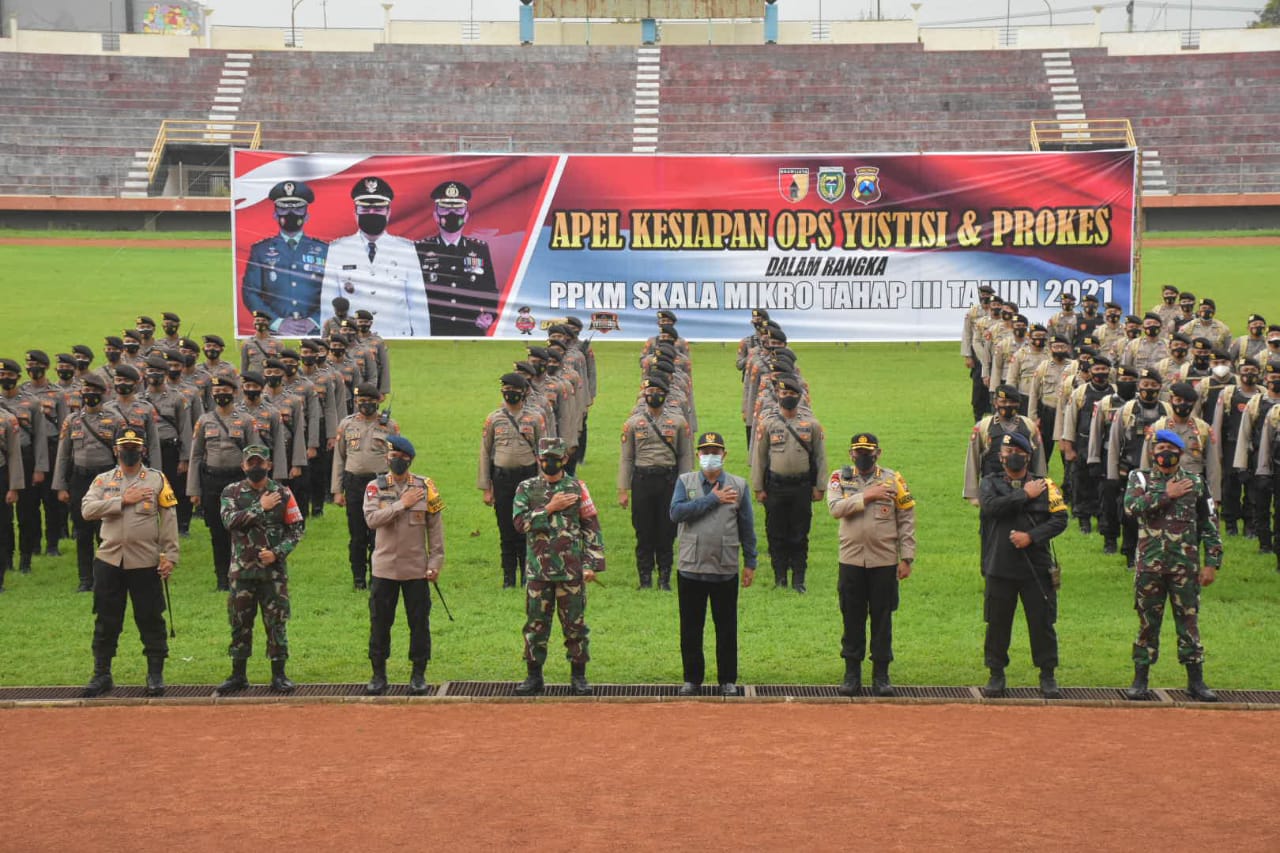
[(866, 247)]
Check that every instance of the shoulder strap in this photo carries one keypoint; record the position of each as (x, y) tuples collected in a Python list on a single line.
[(93, 432), (516, 424), (648, 417)]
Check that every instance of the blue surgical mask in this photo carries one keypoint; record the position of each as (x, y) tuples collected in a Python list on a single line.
[(710, 461)]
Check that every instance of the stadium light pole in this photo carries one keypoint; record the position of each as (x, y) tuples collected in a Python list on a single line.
[(293, 23)]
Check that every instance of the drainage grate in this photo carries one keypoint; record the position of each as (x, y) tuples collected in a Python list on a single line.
[(482, 689), (802, 691), (1256, 697), (1109, 694), (930, 692)]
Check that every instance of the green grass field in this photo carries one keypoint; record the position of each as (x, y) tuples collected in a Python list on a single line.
[(914, 396)]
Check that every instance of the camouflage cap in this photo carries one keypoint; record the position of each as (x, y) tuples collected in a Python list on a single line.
[(259, 450), (552, 447)]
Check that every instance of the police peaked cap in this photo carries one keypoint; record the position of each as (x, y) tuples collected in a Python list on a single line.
[(252, 376), (515, 380), (1016, 439), (125, 371), (215, 339), (158, 361), (368, 389), (451, 194), (10, 364), (401, 444), (291, 193), (129, 435), (655, 381), (171, 317), (38, 356), (372, 189), (1184, 390), (274, 364), (864, 441), (1168, 436), (81, 349)]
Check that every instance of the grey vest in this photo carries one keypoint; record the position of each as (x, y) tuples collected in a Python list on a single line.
[(709, 543)]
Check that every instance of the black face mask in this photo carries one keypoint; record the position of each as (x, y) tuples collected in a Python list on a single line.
[(1099, 380), (113, 355), (290, 223), (155, 378), (1274, 386), (213, 354), (290, 369), (864, 462), (1206, 315), (1151, 331), (1132, 332), (1112, 319), (66, 375), (789, 403), (1182, 410), (1016, 462), (398, 465), (372, 224), (1169, 300), (551, 465), (367, 409), (1006, 412), (130, 456), (35, 372), (552, 368), (654, 401), (513, 397), (1059, 355), (82, 364), (1090, 310), (1167, 458), (309, 360), (1273, 342), (8, 384), (1188, 308), (132, 349), (256, 474), (222, 399), (1126, 390), (539, 367), (126, 390), (252, 396), (171, 329), (338, 354), (1201, 361), (275, 381), (1178, 353), (451, 222), (1038, 343), (1019, 333), (175, 372), (1256, 332), (1249, 379), (1149, 395)]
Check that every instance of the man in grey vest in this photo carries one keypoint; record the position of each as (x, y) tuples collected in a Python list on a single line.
[(713, 509)]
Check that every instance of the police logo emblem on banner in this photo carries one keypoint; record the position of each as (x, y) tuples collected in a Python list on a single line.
[(288, 189), (831, 183), (793, 184), (866, 184), (604, 322)]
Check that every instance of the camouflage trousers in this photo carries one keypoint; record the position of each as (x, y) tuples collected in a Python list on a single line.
[(1181, 586), (569, 599), (242, 606)]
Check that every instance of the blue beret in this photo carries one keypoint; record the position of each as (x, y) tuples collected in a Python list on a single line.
[(1171, 437), (402, 444), (1016, 439)]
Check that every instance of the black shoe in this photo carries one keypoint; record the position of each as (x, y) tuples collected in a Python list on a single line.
[(1049, 688), (880, 683), (280, 682), (1139, 691), (1128, 559), (664, 586), (646, 582), (360, 585), (318, 512), (1262, 549), (508, 583), (1249, 532), (994, 688), (1086, 526), (418, 680), (797, 581), (1109, 546), (155, 676), (728, 688), (52, 551), (101, 682), (779, 580), (24, 564), (237, 680), (533, 683), (1198, 690), (690, 689), (378, 683), (1232, 528), (578, 680), (84, 586), (223, 586)]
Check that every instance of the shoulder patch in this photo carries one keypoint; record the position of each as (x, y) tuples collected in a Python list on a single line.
[(292, 515), (1056, 503), (903, 499), (587, 508), (167, 498)]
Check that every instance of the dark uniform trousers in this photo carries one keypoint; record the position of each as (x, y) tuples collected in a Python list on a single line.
[(318, 471), (980, 397), (212, 483), (869, 590), (1039, 605), (1047, 414), (1266, 504), (651, 490), (360, 541), (512, 541), (384, 595), (170, 456), (788, 514), (55, 514), (111, 586), (1110, 508), (1236, 505), (29, 507), (6, 527), (582, 439), (86, 532), (1086, 490), (723, 596)]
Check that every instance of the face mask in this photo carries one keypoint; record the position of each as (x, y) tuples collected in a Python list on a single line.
[(113, 355), (864, 462), (8, 384), (1038, 343), (1256, 332), (539, 367), (252, 395), (1099, 379), (789, 403), (1200, 361), (1069, 307), (1006, 412), (309, 360), (1132, 332), (1112, 319), (212, 354), (275, 381), (551, 465), (1149, 395), (1090, 310), (1221, 371), (513, 397), (1016, 461), (398, 465), (222, 399), (1126, 390), (35, 372), (170, 329), (1178, 353), (130, 457), (155, 378), (1059, 355), (338, 354), (654, 401), (710, 461), (290, 223), (290, 369), (66, 375), (1273, 342), (372, 224), (552, 368), (132, 349), (1169, 300), (256, 474), (368, 409), (125, 390), (175, 373), (1206, 315), (451, 222), (1167, 458), (1182, 410), (1249, 379), (1019, 333), (1274, 386), (82, 364), (1187, 307), (1151, 331)]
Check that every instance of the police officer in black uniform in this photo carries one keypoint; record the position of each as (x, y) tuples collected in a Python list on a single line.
[(285, 271), (462, 290)]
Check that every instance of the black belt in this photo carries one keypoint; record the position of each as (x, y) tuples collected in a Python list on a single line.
[(169, 442), (90, 472), (508, 473), (655, 471), (786, 479), (350, 477), (223, 472)]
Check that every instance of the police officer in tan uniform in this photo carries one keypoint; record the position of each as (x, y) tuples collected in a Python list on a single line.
[(656, 448), (508, 456), (139, 548), (359, 455), (12, 479), (405, 510), (877, 547)]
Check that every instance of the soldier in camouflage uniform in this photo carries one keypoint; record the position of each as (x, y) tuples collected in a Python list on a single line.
[(565, 551), (1175, 516), (265, 526)]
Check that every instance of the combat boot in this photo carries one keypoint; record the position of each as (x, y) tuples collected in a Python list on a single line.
[(533, 684), (101, 681), (1232, 528), (1139, 690), (155, 676), (237, 680), (578, 679), (994, 688), (664, 579), (1109, 545), (508, 578), (646, 579), (378, 683), (418, 680), (280, 682), (852, 684), (24, 564), (779, 576), (1199, 691), (880, 684), (1049, 688), (797, 581)]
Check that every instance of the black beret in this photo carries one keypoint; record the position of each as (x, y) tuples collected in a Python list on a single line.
[(1150, 373), (1186, 295), (289, 353), (664, 366), (1089, 297), (81, 349), (132, 335), (670, 316), (1114, 306), (1038, 328), (525, 367), (1257, 318), (261, 315), (573, 323), (1020, 318), (1273, 366), (656, 381), (223, 382), (157, 361), (1016, 439), (1133, 318), (372, 189), (1101, 360), (1250, 361), (1201, 345), (1126, 372), (790, 381), (1179, 338), (171, 317), (174, 355), (986, 288), (1061, 339), (1166, 288), (368, 389), (1221, 355), (274, 363), (778, 335), (555, 354), (538, 352), (96, 381), (65, 358), (760, 314), (125, 371), (215, 339), (1208, 303), (113, 341), (38, 356), (10, 364), (362, 314), (188, 343), (1184, 390), (515, 380), (252, 376), (1151, 315), (144, 320), (1007, 392)]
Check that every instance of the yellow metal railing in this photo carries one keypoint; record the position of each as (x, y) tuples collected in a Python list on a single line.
[(1093, 131), (235, 134)]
